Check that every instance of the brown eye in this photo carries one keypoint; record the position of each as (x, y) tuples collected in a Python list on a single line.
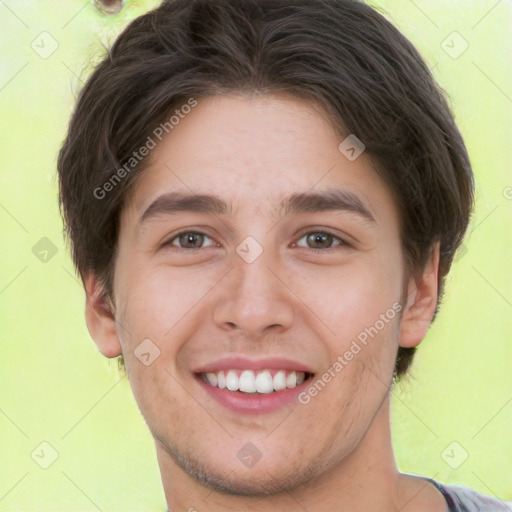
[(322, 241), (188, 240)]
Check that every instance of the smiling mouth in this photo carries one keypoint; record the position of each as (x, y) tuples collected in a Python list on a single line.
[(258, 382)]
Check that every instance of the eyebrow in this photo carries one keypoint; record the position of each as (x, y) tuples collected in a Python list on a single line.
[(331, 199)]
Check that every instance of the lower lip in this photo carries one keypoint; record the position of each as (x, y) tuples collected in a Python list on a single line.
[(253, 402)]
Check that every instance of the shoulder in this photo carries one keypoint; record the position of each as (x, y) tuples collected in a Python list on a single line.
[(463, 499)]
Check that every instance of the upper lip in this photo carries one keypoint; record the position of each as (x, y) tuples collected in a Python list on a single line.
[(244, 363)]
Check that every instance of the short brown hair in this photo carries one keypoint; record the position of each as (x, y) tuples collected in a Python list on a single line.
[(341, 54)]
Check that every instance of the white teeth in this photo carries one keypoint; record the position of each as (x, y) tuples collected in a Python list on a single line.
[(291, 380), (264, 383), (221, 380), (212, 378), (232, 381), (280, 380), (249, 381)]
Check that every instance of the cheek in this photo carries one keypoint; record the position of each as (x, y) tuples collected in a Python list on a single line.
[(155, 301), (360, 305), (352, 297)]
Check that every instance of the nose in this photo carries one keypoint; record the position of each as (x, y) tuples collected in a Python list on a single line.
[(255, 299)]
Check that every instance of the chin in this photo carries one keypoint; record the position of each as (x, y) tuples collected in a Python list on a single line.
[(260, 484), (261, 480)]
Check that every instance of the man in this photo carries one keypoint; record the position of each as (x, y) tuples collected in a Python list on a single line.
[(264, 199)]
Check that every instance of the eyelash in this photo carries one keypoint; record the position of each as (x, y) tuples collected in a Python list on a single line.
[(342, 243)]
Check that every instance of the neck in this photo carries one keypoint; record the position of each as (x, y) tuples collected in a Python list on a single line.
[(367, 479)]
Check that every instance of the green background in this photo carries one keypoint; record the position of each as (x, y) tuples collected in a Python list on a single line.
[(56, 388)]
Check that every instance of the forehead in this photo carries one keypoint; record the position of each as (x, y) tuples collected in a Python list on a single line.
[(256, 152)]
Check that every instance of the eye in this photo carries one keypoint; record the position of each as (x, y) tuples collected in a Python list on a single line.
[(318, 241), (322, 241), (189, 240)]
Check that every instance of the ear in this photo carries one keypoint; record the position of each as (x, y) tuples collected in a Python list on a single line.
[(421, 302), (100, 319)]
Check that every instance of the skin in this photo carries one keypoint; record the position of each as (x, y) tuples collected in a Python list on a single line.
[(198, 305)]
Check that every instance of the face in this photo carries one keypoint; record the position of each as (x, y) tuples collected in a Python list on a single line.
[(266, 284)]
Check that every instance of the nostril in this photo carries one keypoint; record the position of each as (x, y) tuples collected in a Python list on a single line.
[(109, 6)]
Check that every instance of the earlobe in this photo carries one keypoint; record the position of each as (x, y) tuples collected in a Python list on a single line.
[(421, 303), (100, 318)]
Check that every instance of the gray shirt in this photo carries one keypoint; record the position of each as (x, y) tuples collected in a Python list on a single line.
[(462, 499)]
